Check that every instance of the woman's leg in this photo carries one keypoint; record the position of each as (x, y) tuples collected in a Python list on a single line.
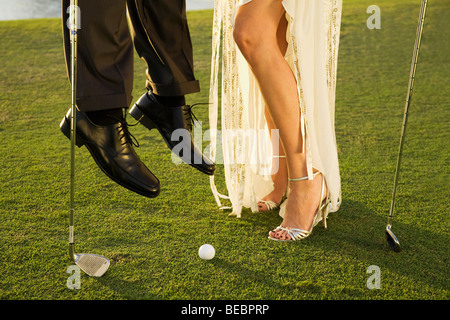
[(280, 177), (255, 33)]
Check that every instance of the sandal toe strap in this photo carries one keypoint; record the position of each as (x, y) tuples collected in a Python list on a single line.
[(269, 204), (296, 233)]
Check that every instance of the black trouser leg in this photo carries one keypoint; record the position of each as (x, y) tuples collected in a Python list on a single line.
[(105, 55), (161, 38), (105, 50)]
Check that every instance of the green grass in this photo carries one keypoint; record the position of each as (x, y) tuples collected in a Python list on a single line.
[(153, 243)]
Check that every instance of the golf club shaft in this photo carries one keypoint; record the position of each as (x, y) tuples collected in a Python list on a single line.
[(408, 99), (73, 79)]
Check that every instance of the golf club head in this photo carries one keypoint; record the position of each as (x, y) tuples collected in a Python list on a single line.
[(392, 239), (92, 264)]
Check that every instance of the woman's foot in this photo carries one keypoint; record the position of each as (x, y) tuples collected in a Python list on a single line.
[(273, 200), (305, 199)]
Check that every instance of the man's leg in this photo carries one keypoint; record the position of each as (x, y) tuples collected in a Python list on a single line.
[(104, 87), (105, 55), (161, 38)]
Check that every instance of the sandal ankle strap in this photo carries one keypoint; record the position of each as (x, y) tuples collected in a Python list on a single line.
[(305, 178)]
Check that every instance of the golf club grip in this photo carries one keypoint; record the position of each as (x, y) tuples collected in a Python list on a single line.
[(408, 99)]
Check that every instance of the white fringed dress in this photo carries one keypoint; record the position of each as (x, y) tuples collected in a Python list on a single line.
[(243, 138)]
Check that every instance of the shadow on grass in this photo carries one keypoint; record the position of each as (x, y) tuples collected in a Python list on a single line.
[(356, 236), (357, 231), (132, 290), (355, 239)]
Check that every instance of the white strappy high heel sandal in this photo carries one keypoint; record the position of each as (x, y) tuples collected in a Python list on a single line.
[(271, 205), (321, 214)]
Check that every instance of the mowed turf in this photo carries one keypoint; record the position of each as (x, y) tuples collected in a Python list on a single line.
[(153, 243)]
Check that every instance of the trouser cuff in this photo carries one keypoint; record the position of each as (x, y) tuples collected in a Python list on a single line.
[(179, 89), (97, 103)]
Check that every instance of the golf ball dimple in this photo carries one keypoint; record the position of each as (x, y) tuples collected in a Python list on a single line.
[(206, 252)]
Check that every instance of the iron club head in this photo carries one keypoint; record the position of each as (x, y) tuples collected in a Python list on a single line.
[(92, 264), (392, 239)]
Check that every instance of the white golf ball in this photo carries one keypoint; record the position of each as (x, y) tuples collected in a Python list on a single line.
[(206, 252)]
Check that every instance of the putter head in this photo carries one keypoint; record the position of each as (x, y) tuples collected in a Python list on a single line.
[(392, 239), (92, 264)]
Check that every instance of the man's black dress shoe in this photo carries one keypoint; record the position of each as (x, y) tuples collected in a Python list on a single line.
[(172, 123), (112, 150)]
